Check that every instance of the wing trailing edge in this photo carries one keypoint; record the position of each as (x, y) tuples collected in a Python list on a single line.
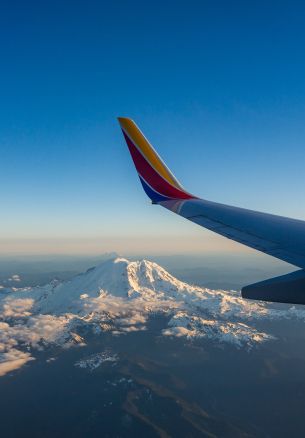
[(289, 288)]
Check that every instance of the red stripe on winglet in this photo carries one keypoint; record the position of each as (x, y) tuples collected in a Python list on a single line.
[(152, 177)]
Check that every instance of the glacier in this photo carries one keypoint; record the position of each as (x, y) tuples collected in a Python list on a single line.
[(120, 296)]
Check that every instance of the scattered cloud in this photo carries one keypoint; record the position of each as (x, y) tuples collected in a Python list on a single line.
[(18, 335), (14, 277), (12, 360), (14, 308)]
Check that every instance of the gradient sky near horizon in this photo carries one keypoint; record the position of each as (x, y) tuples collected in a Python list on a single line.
[(218, 87)]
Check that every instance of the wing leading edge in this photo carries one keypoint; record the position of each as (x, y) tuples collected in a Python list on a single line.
[(277, 236)]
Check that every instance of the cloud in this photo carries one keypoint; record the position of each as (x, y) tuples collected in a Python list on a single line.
[(14, 277), (12, 360), (14, 308), (22, 328), (131, 328), (123, 315), (32, 331), (133, 319)]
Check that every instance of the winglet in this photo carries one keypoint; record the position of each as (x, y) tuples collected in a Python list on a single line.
[(157, 180)]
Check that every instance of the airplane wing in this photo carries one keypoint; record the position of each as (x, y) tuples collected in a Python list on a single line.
[(278, 236)]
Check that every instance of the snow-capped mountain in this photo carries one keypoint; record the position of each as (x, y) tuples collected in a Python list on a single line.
[(120, 296)]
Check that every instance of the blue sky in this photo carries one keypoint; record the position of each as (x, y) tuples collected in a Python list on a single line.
[(218, 87)]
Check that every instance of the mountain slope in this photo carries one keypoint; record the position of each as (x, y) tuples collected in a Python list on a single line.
[(120, 296)]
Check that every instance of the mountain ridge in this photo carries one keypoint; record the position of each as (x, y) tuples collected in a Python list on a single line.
[(120, 296)]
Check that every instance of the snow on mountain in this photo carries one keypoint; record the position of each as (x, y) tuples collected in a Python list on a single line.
[(120, 296)]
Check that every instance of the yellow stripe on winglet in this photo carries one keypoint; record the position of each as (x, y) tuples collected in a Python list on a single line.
[(147, 150)]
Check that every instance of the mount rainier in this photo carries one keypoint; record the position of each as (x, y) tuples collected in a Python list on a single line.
[(120, 296)]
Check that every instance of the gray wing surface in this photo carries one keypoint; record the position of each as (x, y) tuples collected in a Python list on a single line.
[(278, 236)]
